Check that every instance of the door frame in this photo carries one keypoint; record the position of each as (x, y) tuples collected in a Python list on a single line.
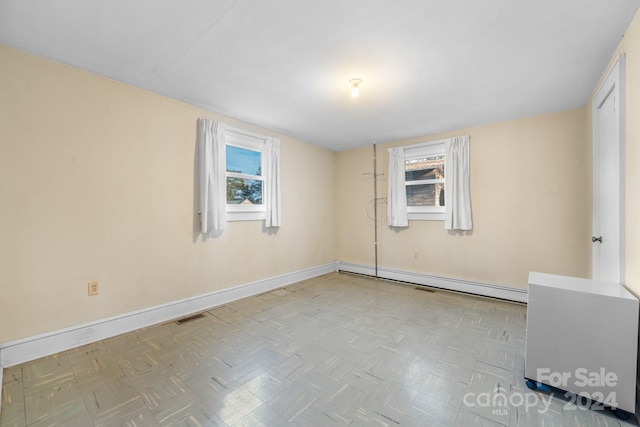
[(613, 83)]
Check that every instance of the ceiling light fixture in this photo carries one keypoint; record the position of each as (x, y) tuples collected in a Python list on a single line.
[(355, 87)]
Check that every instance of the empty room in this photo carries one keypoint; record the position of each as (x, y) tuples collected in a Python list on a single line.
[(363, 213)]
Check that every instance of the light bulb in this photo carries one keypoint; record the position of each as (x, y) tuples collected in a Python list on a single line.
[(355, 87)]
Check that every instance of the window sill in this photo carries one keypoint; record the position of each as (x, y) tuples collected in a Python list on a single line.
[(426, 216), (246, 216)]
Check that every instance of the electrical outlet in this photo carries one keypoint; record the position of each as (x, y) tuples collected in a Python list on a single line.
[(93, 288), (415, 255)]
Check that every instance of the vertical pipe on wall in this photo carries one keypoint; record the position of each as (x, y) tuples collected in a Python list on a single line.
[(375, 209)]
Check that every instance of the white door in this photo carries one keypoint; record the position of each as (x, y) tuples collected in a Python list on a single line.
[(608, 174)]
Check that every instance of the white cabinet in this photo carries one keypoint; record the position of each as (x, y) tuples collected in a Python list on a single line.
[(582, 337)]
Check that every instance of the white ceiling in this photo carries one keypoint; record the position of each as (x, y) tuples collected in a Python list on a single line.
[(427, 65)]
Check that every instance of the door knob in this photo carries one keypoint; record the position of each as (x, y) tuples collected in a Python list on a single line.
[(596, 239)]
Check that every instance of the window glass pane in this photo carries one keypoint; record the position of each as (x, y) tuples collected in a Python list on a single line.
[(425, 195), (241, 191), (431, 167), (241, 160)]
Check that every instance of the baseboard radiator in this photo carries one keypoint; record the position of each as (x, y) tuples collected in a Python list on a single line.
[(451, 284)]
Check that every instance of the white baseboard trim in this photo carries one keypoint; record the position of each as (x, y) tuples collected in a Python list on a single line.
[(31, 348), (467, 286)]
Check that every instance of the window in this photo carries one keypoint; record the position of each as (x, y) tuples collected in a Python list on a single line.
[(238, 176), (430, 181), (245, 175), (424, 180)]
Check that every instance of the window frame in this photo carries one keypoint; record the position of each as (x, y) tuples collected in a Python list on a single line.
[(426, 149), (247, 140)]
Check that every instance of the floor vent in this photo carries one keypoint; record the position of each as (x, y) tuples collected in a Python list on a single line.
[(190, 318), (422, 288)]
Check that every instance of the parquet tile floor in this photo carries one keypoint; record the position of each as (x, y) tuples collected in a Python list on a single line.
[(335, 350)]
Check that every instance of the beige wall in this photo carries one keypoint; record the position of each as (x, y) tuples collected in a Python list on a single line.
[(530, 186), (630, 46), (97, 183)]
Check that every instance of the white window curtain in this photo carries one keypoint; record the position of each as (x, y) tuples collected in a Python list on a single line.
[(457, 197), (397, 193), (211, 176), (272, 182)]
